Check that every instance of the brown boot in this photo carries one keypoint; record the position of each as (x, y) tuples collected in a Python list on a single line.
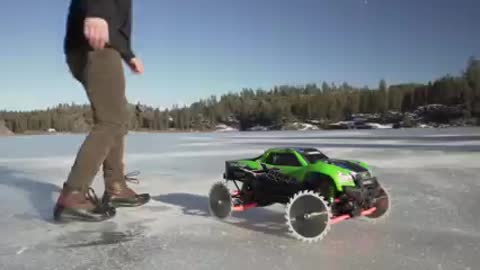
[(75, 205), (118, 194)]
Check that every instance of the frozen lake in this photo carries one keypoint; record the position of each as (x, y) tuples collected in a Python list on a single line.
[(432, 176)]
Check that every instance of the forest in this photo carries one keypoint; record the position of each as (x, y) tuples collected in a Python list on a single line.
[(324, 103)]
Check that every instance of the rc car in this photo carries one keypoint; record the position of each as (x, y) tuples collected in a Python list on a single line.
[(318, 191)]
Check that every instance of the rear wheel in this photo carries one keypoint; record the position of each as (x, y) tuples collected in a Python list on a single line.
[(220, 200)]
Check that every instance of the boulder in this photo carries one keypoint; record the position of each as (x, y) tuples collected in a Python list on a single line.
[(386, 118), (342, 125), (408, 120), (300, 126), (439, 113), (366, 117), (392, 117), (224, 128), (379, 126), (258, 128)]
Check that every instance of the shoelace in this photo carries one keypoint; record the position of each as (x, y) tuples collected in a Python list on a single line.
[(131, 177), (92, 196)]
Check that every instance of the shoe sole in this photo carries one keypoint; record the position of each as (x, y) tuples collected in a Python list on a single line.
[(126, 205), (74, 219), (62, 215)]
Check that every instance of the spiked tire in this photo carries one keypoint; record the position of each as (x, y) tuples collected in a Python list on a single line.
[(220, 200), (308, 216), (383, 205)]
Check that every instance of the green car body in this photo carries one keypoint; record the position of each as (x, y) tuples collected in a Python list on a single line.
[(301, 166)]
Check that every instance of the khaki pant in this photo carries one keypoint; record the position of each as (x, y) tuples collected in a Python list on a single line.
[(101, 74)]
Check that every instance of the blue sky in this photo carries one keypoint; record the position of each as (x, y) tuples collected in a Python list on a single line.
[(196, 48)]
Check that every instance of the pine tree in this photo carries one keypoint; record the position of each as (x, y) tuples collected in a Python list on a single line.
[(382, 97), (472, 75)]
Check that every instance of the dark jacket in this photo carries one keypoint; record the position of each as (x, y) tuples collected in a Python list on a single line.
[(118, 14)]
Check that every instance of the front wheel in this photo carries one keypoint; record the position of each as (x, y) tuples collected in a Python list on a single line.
[(381, 203), (308, 216)]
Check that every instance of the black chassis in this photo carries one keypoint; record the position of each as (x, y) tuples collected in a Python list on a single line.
[(262, 187)]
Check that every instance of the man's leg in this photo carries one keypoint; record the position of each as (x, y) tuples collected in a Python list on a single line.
[(117, 193), (113, 166), (105, 85), (101, 73)]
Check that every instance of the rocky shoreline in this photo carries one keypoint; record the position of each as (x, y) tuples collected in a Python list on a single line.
[(428, 116)]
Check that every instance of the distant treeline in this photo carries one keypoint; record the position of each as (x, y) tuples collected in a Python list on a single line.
[(327, 102)]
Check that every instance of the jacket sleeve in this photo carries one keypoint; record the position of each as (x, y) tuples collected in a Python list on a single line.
[(100, 8), (126, 50), (126, 44)]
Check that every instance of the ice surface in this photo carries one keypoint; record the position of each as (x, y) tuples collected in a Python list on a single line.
[(432, 176)]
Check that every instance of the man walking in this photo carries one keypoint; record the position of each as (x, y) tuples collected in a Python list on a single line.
[(98, 38)]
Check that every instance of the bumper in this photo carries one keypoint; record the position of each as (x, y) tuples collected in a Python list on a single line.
[(364, 191)]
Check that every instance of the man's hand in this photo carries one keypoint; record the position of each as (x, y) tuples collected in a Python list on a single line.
[(136, 66), (96, 32)]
